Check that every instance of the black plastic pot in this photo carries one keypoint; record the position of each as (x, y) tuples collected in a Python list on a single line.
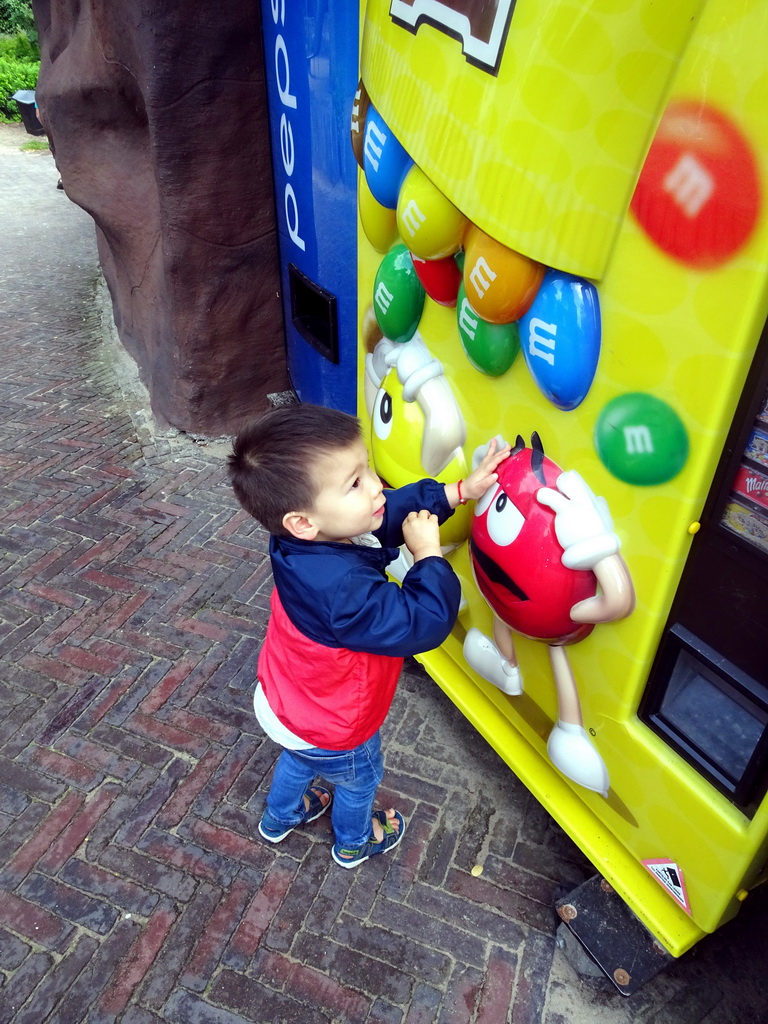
[(25, 100)]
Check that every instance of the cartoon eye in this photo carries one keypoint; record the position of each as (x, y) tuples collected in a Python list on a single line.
[(485, 500), (382, 414), (505, 520)]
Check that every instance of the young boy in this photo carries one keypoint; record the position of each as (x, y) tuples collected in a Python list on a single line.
[(339, 630)]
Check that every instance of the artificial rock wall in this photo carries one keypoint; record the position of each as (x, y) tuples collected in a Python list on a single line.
[(157, 113)]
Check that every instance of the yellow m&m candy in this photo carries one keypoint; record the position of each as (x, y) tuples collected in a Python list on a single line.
[(378, 222), (429, 224)]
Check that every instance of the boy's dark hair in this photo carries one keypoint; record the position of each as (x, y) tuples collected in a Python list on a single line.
[(272, 465)]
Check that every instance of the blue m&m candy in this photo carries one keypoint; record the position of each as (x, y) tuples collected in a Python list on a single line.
[(385, 162), (560, 337)]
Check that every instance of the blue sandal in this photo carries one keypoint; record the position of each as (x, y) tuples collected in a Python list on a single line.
[(350, 858), (274, 831)]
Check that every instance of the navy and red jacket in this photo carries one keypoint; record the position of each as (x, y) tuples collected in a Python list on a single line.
[(340, 629)]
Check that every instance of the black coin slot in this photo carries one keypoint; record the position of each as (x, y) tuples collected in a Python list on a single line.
[(313, 314)]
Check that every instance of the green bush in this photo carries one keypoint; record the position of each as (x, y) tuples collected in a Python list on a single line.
[(15, 74), (19, 46), (16, 16)]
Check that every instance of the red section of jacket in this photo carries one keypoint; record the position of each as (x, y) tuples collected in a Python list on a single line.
[(330, 697)]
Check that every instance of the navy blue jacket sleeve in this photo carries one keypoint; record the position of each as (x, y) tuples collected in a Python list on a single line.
[(370, 613), (428, 494)]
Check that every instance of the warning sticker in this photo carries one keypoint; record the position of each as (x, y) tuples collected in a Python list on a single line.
[(670, 876)]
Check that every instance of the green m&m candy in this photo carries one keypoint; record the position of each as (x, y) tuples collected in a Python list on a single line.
[(398, 295), (491, 348), (641, 439)]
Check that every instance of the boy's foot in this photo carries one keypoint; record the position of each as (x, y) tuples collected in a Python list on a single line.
[(316, 801), (386, 833)]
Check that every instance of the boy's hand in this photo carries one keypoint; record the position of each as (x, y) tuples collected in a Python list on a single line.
[(484, 476), (421, 533)]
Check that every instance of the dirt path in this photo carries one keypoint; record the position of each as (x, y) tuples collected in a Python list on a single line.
[(13, 137)]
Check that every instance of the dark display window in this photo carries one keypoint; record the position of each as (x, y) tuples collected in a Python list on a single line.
[(707, 694), (712, 713)]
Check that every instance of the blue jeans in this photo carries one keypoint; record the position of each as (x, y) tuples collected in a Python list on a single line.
[(355, 774)]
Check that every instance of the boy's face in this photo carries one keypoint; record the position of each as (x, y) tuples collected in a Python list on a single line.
[(350, 500)]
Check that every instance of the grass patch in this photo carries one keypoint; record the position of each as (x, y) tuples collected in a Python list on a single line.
[(33, 145)]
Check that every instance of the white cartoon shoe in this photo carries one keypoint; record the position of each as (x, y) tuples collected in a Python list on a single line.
[(482, 654), (571, 751)]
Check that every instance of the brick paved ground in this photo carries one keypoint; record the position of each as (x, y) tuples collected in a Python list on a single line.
[(134, 596)]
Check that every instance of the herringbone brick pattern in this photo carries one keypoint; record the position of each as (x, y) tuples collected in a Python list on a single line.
[(133, 598)]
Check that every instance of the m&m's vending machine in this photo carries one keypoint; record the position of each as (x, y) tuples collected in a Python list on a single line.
[(563, 245)]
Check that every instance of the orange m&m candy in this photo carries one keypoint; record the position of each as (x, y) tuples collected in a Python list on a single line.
[(500, 283)]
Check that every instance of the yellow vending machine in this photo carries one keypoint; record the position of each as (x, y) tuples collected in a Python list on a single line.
[(563, 245)]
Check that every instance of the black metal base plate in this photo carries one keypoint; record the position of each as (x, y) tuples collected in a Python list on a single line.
[(614, 938)]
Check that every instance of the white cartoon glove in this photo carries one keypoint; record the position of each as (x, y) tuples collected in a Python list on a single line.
[(583, 524), (482, 450)]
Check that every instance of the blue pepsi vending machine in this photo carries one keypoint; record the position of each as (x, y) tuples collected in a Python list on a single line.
[(311, 61)]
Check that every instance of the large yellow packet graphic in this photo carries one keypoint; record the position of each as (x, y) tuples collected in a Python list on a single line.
[(533, 117)]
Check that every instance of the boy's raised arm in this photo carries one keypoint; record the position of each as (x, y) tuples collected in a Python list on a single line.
[(380, 617), (424, 494)]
